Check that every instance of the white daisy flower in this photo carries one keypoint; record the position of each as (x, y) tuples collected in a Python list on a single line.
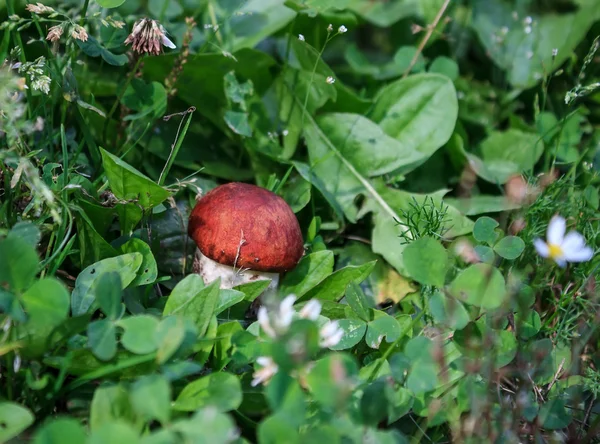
[(277, 322), (561, 248)]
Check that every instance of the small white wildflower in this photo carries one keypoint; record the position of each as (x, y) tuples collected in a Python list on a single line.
[(277, 322), (311, 310), (561, 248), (330, 28), (300, 37), (528, 20), (330, 334), (266, 372), (554, 52), (529, 55), (330, 80), (527, 29), (504, 30), (285, 132), (342, 29), (515, 15), (17, 364)]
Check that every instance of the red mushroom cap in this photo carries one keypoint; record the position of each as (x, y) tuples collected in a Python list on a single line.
[(250, 223)]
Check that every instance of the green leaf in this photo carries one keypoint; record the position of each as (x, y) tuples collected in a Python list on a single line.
[(358, 302), (485, 230), (60, 430), (110, 3), (511, 51), (15, 419), (446, 66), (426, 261), (296, 192), (505, 154), (485, 254), (84, 293), (102, 339), (139, 333), (528, 325), (475, 205), (223, 346), (148, 271), (151, 398), (332, 288), (385, 14), (110, 403), (480, 285), (191, 299), (354, 331), (554, 414), (19, 263), (108, 294), (127, 183), (170, 334), (311, 270), (384, 327), (147, 99), (510, 247), (117, 431), (93, 48), (227, 299), (591, 196), (448, 311), (47, 306), (220, 390), (423, 376), (419, 111), (26, 231), (331, 379)]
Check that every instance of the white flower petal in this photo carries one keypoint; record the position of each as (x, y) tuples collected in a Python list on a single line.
[(580, 255), (168, 43), (573, 241), (541, 247), (311, 310), (263, 321), (556, 230), (561, 262), (264, 361)]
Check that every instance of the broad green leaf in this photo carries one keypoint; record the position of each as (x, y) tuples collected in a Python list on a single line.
[(296, 192), (84, 293), (127, 183), (191, 299), (426, 261), (117, 431), (474, 205), (110, 403), (419, 111), (480, 285), (354, 331), (139, 333), (504, 154), (448, 311), (384, 327), (331, 379), (19, 263), (311, 270), (151, 398), (511, 42), (484, 230), (15, 419), (108, 294), (148, 271), (423, 376), (147, 99), (510, 247), (358, 302), (47, 305), (485, 254), (227, 299), (222, 348), (528, 325), (446, 66), (169, 336), (102, 339), (384, 14), (93, 48), (26, 231), (332, 288), (220, 390), (60, 430), (93, 247), (555, 414), (110, 3), (207, 425)]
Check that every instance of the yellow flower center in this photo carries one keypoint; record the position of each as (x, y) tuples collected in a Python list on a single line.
[(555, 251)]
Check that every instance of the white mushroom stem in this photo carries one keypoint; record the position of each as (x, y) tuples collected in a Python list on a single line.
[(230, 277)]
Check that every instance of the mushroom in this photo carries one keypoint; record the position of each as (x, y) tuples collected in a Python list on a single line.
[(244, 233)]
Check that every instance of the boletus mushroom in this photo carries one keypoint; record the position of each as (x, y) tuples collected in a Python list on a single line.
[(244, 233)]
